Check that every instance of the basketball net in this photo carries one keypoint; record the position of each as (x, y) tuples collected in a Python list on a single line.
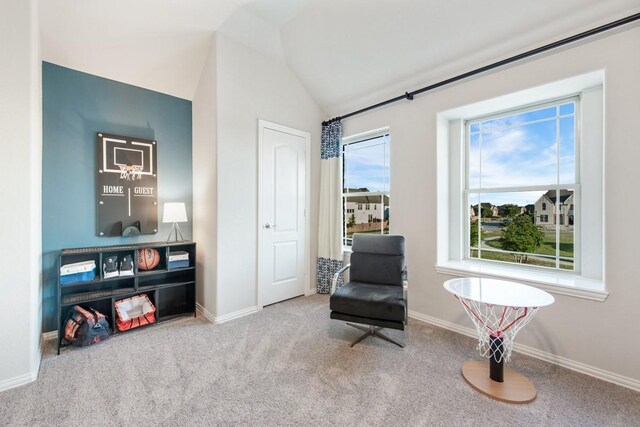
[(130, 172), (495, 321)]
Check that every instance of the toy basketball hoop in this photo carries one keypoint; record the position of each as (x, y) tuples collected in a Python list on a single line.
[(497, 326), (498, 309), (130, 172)]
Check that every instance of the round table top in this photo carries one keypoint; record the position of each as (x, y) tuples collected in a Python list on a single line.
[(498, 292)]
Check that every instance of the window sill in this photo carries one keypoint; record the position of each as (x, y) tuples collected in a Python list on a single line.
[(555, 282)]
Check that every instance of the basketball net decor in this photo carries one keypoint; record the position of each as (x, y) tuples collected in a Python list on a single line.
[(497, 326), (130, 172)]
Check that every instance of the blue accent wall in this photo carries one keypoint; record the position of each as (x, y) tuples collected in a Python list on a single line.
[(76, 106)]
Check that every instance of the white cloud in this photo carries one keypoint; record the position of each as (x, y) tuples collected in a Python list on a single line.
[(514, 158)]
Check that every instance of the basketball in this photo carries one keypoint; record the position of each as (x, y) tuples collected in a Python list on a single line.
[(148, 259)]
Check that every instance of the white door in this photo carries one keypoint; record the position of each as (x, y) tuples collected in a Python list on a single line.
[(283, 225)]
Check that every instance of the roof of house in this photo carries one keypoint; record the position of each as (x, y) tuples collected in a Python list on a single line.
[(363, 199), (368, 199), (564, 195)]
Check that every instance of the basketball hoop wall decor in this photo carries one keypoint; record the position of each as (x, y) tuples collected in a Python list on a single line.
[(126, 186)]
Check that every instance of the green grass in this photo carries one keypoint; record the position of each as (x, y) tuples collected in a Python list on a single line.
[(548, 246), (490, 234), (498, 256)]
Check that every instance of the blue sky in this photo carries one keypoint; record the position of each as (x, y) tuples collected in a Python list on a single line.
[(522, 150), (517, 150), (367, 164)]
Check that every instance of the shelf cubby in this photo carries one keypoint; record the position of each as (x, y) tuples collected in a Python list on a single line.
[(175, 300)]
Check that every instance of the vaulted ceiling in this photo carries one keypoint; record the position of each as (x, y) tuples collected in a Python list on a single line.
[(346, 52)]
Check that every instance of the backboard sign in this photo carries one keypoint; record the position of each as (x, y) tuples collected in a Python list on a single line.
[(126, 186)]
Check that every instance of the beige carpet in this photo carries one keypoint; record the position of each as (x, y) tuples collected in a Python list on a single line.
[(291, 365)]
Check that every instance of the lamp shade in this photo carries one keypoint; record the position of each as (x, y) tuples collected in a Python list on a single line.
[(174, 212)]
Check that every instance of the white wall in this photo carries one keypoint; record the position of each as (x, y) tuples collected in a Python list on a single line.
[(252, 86), (20, 186), (205, 215), (605, 335)]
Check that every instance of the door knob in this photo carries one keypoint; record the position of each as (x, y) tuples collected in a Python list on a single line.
[(268, 226)]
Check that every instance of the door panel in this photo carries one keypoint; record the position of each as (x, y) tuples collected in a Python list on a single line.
[(283, 214), (286, 188), (284, 261)]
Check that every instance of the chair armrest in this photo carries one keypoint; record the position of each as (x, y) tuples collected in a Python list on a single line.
[(334, 282), (405, 289)]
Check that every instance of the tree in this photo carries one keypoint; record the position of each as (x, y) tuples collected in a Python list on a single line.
[(473, 234), (510, 210), (487, 213), (352, 221), (521, 235)]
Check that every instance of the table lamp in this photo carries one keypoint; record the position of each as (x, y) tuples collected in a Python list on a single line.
[(175, 213)]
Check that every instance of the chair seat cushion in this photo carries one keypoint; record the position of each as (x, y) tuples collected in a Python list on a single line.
[(369, 300)]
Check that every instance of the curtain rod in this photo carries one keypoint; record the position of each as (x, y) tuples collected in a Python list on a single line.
[(532, 52)]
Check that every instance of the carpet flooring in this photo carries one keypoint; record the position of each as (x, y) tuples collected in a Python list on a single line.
[(290, 364)]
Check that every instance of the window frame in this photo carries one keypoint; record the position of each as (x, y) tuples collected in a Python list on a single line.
[(354, 139), (451, 212), (574, 187)]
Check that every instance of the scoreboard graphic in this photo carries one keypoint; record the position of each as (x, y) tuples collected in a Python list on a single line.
[(126, 186)]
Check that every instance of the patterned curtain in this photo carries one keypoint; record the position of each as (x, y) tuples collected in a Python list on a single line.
[(330, 226)]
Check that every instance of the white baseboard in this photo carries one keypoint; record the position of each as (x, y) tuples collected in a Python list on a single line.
[(310, 292), (206, 313), (576, 366), (236, 314), (18, 381), (35, 368), (227, 317)]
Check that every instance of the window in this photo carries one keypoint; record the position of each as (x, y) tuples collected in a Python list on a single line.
[(475, 169), (518, 158), (365, 179)]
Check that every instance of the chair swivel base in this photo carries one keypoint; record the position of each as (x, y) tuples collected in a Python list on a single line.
[(374, 332)]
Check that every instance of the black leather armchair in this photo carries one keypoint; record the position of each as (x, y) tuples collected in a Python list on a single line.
[(376, 294)]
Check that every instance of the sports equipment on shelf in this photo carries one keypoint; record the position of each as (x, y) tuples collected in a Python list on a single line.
[(148, 259), (110, 267), (134, 312), (126, 266), (77, 267), (85, 327)]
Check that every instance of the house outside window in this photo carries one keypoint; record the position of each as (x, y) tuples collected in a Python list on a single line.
[(366, 181), (515, 159)]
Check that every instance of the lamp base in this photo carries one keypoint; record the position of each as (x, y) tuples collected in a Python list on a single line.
[(175, 227)]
